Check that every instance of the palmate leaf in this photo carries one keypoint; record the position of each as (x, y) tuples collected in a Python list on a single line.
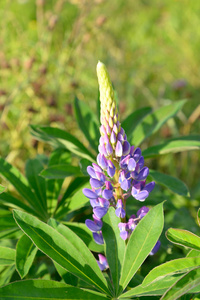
[(63, 251), (183, 238), (179, 144), (61, 139), (25, 254), (87, 122), (154, 121), (46, 289), (141, 242), (174, 184), (114, 246)]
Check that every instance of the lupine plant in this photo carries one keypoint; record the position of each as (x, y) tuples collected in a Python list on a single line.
[(125, 238)]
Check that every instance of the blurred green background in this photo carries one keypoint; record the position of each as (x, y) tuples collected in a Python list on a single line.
[(48, 54)]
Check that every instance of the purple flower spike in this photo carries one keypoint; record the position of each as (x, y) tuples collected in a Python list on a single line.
[(142, 212), (93, 226), (118, 149), (126, 148), (156, 248), (90, 194), (110, 169), (103, 264), (100, 212), (98, 238), (120, 212), (131, 224), (139, 192), (123, 230)]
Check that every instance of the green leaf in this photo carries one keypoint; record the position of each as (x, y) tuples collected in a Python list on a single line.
[(60, 172), (183, 238), (184, 285), (6, 274), (179, 144), (8, 200), (114, 246), (87, 123), (136, 117), (154, 289), (61, 139), (154, 121), (63, 251), (7, 256), (53, 186), (2, 189), (198, 216), (174, 184), (25, 254), (36, 182), (176, 266), (44, 290), (21, 184), (72, 188), (82, 249), (193, 253), (141, 242), (85, 234)]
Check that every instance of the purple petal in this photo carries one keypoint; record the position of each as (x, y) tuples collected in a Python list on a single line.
[(98, 237), (143, 174), (131, 150), (92, 226), (100, 211), (131, 164), (111, 171), (124, 235), (142, 212), (141, 162), (119, 204), (113, 138), (137, 154), (156, 248), (103, 264), (100, 176), (108, 185), (107, 194), (120, 212), (94, 202), (120, 137), (102, 162), (96, 167), (141, 196), (91, 172), (115, 129), (125, 185), (150, 186), (118, 149), (109, 148), (95, 183), (90, 194), (126, 148)]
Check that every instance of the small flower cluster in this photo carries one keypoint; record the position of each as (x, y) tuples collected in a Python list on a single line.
[(119, 172)]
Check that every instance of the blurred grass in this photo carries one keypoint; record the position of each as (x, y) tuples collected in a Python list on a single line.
[(49, 51)]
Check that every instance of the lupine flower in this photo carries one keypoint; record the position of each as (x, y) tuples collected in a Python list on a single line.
[(119, 172), (103, 264)]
